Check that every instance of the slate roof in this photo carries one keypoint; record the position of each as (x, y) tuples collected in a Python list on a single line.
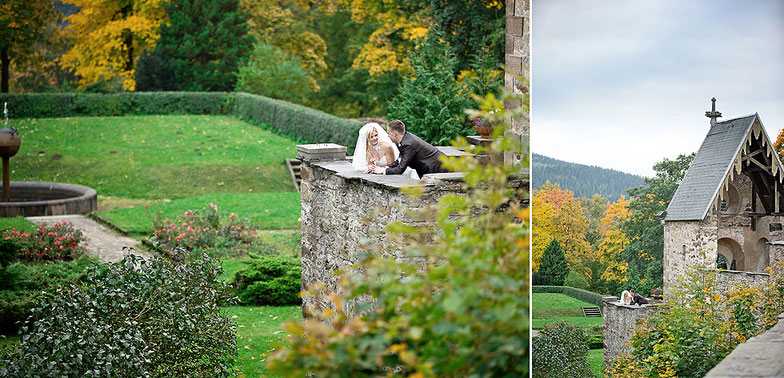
[(705, 176)]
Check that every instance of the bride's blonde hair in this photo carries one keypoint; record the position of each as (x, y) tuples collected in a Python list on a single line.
[(367, 143)]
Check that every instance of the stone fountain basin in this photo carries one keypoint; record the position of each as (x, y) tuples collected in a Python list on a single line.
[(35, 198)]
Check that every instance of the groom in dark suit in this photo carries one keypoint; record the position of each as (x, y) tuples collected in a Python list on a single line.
[(414, 153)]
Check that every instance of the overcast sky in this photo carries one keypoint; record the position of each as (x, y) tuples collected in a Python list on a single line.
[(624, 84)]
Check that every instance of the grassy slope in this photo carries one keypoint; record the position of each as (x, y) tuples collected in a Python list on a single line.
[(267, 210), (154, 157), (551, 307)]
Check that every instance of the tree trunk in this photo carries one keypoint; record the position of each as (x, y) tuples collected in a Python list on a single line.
[(5, 61)]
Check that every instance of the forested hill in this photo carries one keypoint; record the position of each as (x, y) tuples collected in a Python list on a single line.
[(583, 180)]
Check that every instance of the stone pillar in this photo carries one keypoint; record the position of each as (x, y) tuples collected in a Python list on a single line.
[(620, 323), (517, 61)]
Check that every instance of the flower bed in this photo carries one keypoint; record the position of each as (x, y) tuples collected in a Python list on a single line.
[(205, 229), (59, 242)]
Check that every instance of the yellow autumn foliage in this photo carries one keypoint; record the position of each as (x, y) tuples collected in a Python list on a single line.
[(99, 38)]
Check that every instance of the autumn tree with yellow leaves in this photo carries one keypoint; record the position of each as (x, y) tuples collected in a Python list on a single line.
[(557, 215), (107, 37), (21, 25)]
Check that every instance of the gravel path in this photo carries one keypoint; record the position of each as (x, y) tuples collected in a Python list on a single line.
[(103, 242)]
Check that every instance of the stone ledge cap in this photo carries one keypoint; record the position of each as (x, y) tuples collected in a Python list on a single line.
[(321, 152)]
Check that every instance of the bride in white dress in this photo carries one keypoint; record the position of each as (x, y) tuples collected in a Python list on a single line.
[(375, 147)]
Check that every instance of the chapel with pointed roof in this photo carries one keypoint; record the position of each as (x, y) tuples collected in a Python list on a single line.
[(728, 210)]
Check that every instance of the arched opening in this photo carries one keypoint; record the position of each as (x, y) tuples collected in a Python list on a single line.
[(732, 253), (730, 204), (761, 254)]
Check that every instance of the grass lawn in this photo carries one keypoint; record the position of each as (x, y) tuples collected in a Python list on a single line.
[(266, 210), (19, 223), (155, 156), (558, 306), (596, 360), (259, 330)]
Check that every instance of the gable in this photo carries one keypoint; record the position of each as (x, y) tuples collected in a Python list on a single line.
[(736, 146)]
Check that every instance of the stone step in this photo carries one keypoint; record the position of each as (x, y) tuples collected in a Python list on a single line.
[(591, 312), (294, 168)]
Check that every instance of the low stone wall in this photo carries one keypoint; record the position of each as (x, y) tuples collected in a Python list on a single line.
[(344, 209), (620, 322), (760, 356), (732, 278)]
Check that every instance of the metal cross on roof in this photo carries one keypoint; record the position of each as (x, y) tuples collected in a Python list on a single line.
[(713, 114)]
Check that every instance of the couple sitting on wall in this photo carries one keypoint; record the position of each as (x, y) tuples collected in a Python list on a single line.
[(376, 153), (631, 298)]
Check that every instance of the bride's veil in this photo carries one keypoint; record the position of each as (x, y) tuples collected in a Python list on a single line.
[(359, 161)]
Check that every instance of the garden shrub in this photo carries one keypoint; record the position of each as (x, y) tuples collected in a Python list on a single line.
[(42, 105), (224, 235), (154, 73), (462, 312), (560, 350), (269, 280), (60, 241), (22, 285), (274, 73), (701, 318), (297, 121), (160, 317), (584, 295), (576, 280)]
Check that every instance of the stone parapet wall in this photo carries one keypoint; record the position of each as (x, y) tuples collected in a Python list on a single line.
[(344, 210), (620, 323), (728, 279), (760, 356)]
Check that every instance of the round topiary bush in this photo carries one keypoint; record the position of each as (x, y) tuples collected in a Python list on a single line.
[(561, 350)]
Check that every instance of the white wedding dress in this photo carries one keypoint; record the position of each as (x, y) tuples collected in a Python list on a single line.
[(359, 160)]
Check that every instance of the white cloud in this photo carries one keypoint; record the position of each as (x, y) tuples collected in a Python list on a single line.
[(625, 84)]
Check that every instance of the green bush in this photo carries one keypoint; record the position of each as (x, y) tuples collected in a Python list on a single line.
[(577, 280), (159, 317), (274, 73), (154, 73), (42, 105), (269, 280), (23, 284), (561, 350), (583, 295), (294, 120)]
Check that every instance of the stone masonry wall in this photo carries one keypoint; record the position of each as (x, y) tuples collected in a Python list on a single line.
[(620, 322), (687, 244), (517, 60)]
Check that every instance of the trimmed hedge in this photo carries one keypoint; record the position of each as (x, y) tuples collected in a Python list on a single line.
[(42, 105), (297, 121), (294, 120), (574, 292)]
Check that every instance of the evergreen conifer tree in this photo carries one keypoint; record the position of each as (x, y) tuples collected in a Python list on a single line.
[(553, 268), (205, 41), (430, 103)]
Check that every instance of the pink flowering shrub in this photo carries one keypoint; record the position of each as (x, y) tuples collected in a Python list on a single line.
[(59, 242), (205, 229)]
